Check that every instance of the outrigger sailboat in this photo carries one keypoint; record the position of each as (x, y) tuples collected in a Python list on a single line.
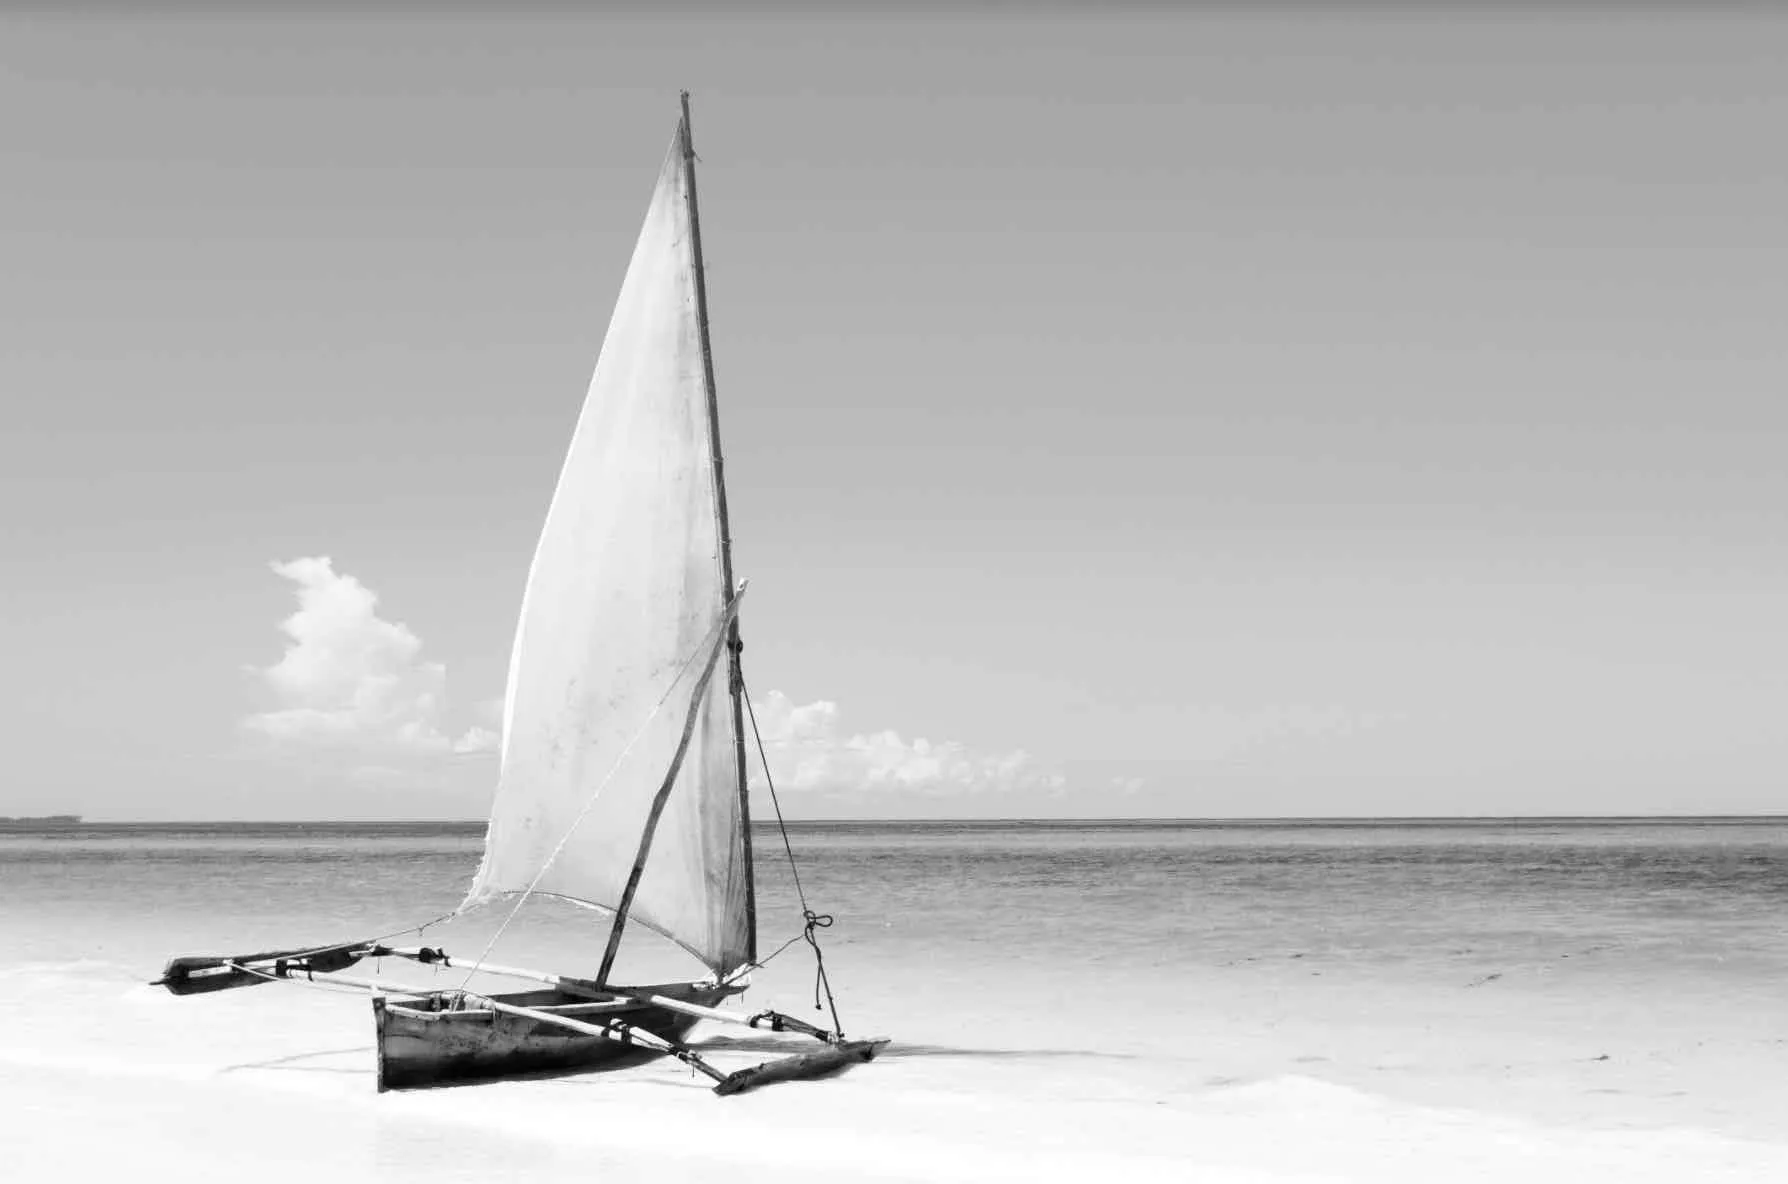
[(623, 779)]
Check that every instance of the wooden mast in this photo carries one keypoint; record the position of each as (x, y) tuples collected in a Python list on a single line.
[(735, 677), (728, 605)]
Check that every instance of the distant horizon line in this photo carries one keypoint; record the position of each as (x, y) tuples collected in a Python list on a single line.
[(81, 820)]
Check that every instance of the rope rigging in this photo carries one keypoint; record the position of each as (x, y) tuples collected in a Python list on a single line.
[(811, 921)]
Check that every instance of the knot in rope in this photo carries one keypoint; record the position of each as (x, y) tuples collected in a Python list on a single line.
[(812, 922), (816, 921)]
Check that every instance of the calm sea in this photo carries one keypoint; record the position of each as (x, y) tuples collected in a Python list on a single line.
[(1696, 896), (1594, 969)]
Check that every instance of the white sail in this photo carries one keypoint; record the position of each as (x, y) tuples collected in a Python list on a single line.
[(624, 588)]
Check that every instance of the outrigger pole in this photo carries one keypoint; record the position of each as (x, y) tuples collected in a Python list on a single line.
[(196, 975), (201, 975), (809, 1064)]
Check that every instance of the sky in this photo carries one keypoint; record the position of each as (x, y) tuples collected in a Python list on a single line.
[(1225, 412)]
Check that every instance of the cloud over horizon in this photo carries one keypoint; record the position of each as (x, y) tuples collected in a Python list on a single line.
[(809, 750), (353, 680), (357, 683)]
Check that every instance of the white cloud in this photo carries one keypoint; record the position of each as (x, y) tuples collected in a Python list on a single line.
[(350, 678), (808, 750), (486, 735), (476, 739), (355, 682)]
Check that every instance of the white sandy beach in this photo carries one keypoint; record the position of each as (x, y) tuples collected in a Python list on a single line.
[(115, 1078)]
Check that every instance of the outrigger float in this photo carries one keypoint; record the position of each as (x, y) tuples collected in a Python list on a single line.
[(623, 781)]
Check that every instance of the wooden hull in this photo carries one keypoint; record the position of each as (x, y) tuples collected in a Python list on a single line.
[(421, 1042)]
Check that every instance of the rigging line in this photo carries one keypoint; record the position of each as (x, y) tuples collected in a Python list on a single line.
[(370, 941), (717, 631), (812, 920), (416, 929), (765, 961), (758, 735)]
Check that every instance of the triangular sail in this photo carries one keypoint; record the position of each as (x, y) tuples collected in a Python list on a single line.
[(625, 587)]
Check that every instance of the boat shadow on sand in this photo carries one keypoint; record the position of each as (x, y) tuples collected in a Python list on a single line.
[(620, 1059), (900, 1049), (290, 1063), (631, 1058)]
